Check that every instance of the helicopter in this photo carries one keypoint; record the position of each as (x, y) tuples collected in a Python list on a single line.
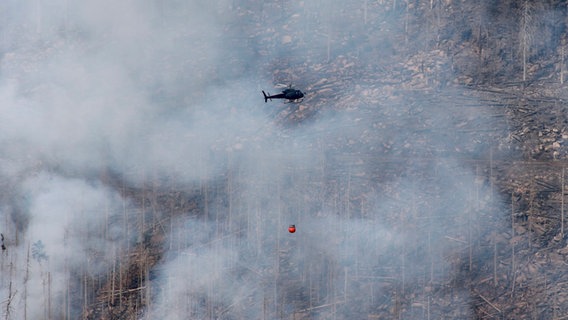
[(288, 93)]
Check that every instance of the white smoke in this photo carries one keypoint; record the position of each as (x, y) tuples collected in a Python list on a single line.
[(159, 90)]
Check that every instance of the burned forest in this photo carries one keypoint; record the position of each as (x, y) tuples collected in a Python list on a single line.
[(145, 176)]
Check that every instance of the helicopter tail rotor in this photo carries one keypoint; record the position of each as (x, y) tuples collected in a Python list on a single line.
[(265, 96)]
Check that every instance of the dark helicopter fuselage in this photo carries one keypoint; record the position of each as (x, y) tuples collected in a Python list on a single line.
[(290, 94)]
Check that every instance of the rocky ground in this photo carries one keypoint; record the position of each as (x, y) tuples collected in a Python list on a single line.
[(435, 120)]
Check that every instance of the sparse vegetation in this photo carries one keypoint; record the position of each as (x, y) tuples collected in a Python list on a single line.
[(424, 170)]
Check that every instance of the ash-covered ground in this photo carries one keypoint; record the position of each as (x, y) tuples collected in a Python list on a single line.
[(144, 177)]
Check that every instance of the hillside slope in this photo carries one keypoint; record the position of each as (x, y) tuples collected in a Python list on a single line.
[(144, 177)]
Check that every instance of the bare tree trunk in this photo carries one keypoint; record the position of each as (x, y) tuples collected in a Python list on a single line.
[(205, 190), (49, 295), (494, 259), (112, 280), (513, 262), (345, 285), (526, 34), (491, 180), (66, 308), (562, 46), (403, 254), (531, 212), (430, 250), (348, 195), (562, 207), (26, 278), (9, 301), (85, 289), (124, 213), (120, 281), (230, 189)]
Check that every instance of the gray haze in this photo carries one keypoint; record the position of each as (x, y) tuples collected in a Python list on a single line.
[(170, 90)]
